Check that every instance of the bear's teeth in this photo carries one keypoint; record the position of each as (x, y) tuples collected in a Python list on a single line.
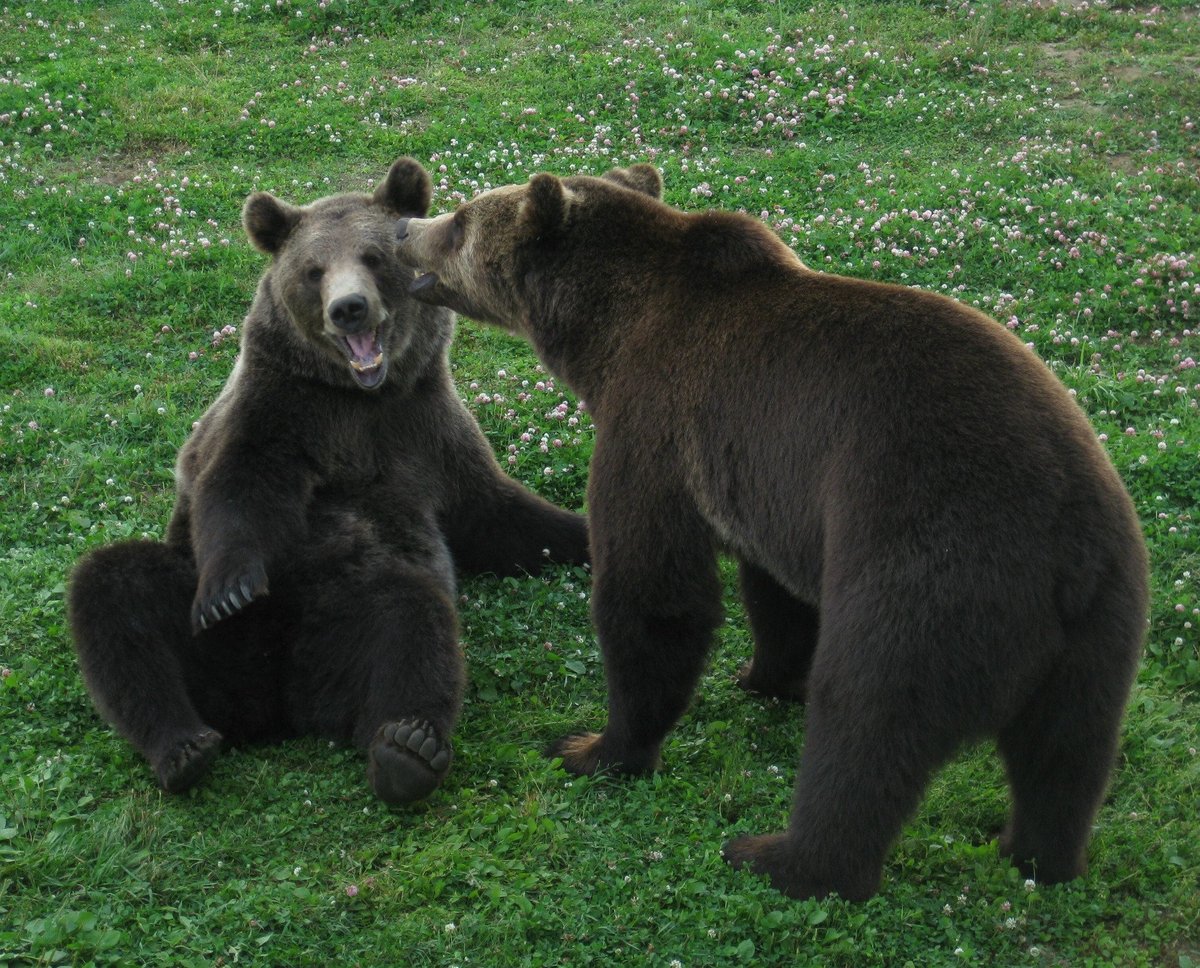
[(367, 366)]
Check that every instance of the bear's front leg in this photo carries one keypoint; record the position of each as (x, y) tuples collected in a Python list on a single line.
[(244, 514), (786, 631), (377, 661), (655, 603)]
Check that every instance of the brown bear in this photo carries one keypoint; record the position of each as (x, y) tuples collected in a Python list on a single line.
[(933, 546), (306, 583)]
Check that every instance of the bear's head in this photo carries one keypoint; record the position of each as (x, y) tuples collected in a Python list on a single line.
[(336, 276), (489, 258)]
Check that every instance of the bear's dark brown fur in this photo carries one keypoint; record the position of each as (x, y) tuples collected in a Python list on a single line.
[(933, 546), (306, 584)]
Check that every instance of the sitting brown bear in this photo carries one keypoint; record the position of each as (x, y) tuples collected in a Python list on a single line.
[(933, 546), (339, 472)]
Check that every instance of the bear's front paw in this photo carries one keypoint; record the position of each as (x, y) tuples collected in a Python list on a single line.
[(186, 762), (585, 754), (406, 761), (789, 690), (226, 591)]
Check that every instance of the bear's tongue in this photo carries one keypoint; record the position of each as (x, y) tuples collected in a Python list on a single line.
[(365, 352)]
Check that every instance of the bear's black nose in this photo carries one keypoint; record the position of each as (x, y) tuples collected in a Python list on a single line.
[(349, 313), (402, 229)]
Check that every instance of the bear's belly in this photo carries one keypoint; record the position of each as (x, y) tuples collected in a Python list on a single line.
[(781, 537)]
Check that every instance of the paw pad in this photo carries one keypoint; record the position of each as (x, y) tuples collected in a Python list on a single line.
[(185, 763), (407, 761)]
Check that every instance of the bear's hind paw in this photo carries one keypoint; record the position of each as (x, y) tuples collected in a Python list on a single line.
[(584, 754), (580, 753), (406, 761), (777, 856), (185, 763)]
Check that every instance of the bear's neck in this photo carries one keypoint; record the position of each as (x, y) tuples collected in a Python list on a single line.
[(641, 315), (577, 343)]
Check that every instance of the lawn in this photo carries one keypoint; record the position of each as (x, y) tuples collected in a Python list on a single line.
[(1038, 160)]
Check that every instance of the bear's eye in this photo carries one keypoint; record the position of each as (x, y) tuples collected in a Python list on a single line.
[(372, 260), (315, 273)]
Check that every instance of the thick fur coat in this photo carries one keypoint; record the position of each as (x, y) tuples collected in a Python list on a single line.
[(933, 546), (307, 580)]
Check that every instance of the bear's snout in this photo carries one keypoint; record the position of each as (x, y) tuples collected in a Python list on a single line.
[(409, 239), (349, 313)]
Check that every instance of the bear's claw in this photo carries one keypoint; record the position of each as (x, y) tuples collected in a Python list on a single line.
[(185, 763), (407, 761), (223, 596)]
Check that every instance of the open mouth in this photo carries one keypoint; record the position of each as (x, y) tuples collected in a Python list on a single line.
[(365, 353)]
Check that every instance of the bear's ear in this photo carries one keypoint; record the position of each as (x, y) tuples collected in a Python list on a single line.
[(543, 207), (407, 190), (641, 178), (268, 221)]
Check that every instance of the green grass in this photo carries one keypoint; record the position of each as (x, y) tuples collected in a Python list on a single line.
[(1037, 160)]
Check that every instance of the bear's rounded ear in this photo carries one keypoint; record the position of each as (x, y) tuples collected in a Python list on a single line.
[(641, 178), (407, 190), (268, 221), (544, 207)]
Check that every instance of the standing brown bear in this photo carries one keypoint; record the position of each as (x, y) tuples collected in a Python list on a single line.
[(306, 584), (933, 546)]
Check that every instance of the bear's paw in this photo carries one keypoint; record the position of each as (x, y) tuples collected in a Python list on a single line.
[(407, 761), (580, 753), (789, 690), (586, 754), (186, 762), (782, 860), (224, 592)]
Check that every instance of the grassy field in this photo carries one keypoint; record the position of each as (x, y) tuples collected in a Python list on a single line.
[(1038, 160)]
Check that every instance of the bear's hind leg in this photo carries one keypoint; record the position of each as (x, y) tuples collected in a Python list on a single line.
[(785, 636), (378, 664), (864, 768), (128, 607), (886, 707), (1059, 751)]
